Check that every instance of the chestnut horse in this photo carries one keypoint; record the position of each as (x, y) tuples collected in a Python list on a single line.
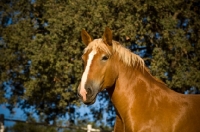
[(142, 102)]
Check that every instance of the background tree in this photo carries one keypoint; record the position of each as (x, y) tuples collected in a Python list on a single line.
[(31, 125), (40, 46)]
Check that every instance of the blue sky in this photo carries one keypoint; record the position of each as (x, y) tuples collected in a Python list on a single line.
[(18, 114)]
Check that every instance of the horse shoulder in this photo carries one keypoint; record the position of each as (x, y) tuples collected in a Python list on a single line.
[(189, 115)]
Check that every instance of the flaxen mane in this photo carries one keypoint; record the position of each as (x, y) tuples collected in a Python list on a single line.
[(129, 58), (124, 54)]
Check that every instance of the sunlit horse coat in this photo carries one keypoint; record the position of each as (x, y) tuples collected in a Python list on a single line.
[(143, 104)]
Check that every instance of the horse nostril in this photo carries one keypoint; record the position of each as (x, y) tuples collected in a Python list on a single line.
[(89, 90)]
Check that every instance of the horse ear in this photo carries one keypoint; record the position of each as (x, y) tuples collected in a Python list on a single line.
[(86, 38), (107, 36)]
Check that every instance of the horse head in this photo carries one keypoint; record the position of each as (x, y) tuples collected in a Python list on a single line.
[(99, 71)]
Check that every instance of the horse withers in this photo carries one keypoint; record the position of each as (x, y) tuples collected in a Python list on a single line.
[(142, 102)]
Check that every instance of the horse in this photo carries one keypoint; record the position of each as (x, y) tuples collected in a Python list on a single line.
[(142, 102)]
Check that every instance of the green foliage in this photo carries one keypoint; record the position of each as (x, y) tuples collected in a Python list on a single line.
[(31, 125), (41, 48), (23, 127)]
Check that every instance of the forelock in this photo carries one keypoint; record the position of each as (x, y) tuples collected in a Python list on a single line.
[(98, 44)]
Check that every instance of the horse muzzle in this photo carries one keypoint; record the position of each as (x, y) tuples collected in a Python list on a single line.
[(88, 93)]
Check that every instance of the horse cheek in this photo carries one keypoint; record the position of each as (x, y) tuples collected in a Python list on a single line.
[(110, 77)]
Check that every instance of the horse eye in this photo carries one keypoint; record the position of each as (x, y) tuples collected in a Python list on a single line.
[(105, 57)]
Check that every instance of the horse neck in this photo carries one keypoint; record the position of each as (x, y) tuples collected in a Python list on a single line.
[(133, 85)]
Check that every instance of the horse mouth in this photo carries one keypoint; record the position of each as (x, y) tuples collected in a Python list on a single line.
[(91, 100)]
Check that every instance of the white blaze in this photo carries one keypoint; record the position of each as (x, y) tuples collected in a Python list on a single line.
[(83, 92)]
